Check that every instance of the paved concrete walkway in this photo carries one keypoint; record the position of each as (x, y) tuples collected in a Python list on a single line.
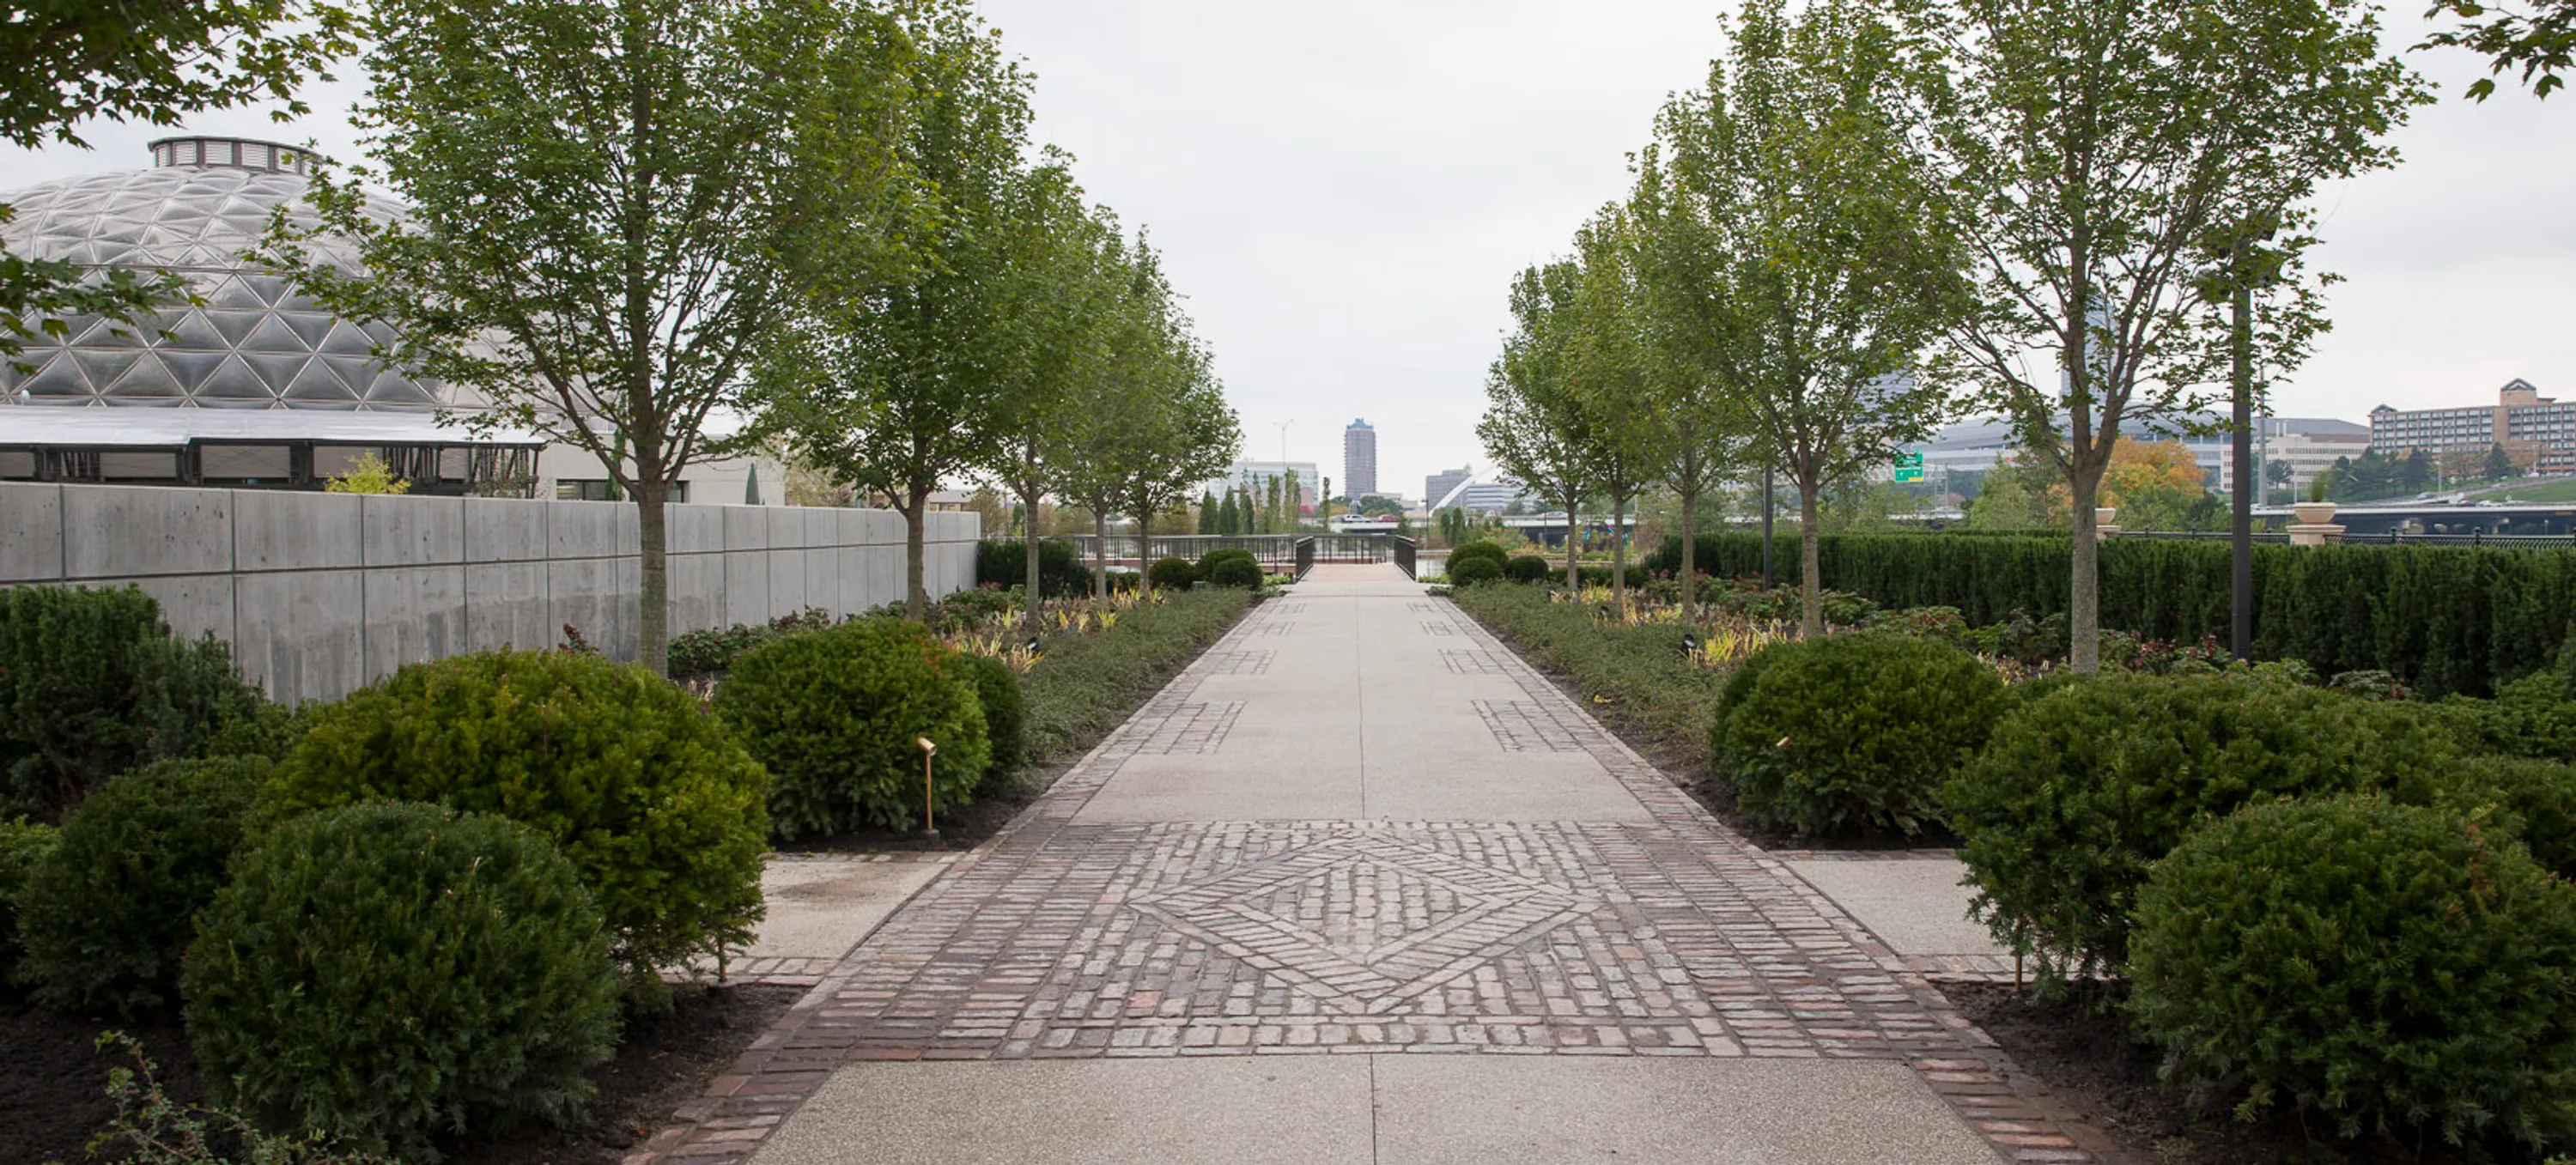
[(1360, 886)]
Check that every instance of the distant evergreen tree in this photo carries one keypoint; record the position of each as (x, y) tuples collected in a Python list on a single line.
[(1229, 520), (1207, 512), (2499, 463)]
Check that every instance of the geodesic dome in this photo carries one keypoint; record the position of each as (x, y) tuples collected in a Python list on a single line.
[(253, 344)]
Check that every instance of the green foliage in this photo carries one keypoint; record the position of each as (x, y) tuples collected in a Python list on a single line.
[(2393, 970), (2441, 619), (2541, 43), (1241, 572), (2534, 800), (1006, 715), (1599, 576), (23, 846), (1478, 548), (1176, 573), (1849, 734), (713, 649), (107, 915), (1061, 574), (1082, 686), (2079, 792), (1208, 561), (2531, 717), (1638, 678), (388, 973), (154, 1129), (835, 715), (367, 475), (1474, 569), (650, 798), (1529, 568), (92, 683)]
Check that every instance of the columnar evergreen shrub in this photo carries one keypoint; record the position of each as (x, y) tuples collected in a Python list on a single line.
[(107, 915), (1473, 570), (392, 973), (835, 716), (1847, 734), (1006, 715), (650, 798), (1529, 568), (92, 683), (1175, 573), (1005, 563), (1243, 572), (2392, 970), (2079, 793), (23, 844)]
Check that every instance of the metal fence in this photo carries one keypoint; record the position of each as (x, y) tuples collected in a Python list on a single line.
[(2388, 538)]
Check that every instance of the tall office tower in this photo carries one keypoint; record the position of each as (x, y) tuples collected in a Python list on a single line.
[(1359, 460)]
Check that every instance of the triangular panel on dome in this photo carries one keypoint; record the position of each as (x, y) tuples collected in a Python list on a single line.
[(104, 367), (309, 324), (394, 388), (317, 384), (192, 330), (235, 381), (277, 372), (272, 335), (59, 379), (346, 340), (231, 292), (147, 380), (271, 289), (236, 326), (92, 332), (192, 368)]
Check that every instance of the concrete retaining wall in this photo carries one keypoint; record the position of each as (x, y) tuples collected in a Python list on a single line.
[(321, 593)]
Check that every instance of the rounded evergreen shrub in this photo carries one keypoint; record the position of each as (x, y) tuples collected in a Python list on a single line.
[(648, 795), (1478, 548), (23, 844), (2394, 970), (389, 973), (1474, 570), (1006, 714), (2535, 800), (107, 915), (835, 716), (2079, 792), (1176, 573), (1242, 572), (1528, 568), (1853, 733), (1208, 562)]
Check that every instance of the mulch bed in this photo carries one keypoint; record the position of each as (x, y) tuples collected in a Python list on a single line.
[(2081, 1048), (53, 1081)]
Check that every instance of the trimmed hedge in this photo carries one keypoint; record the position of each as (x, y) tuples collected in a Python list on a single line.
[(1849, 734), (2443, 619), (1005, 563), (1529, 568), (834, 716), (1474, 569), (390, 973), (1478, 548), (93, 683), (1175, 573), (2080, 792), (23, 844), (1084, 684), (1242, 573), (650, 797), (1006, 715), (107, 915), (2392, 970)]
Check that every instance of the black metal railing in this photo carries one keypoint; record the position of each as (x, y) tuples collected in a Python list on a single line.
[(1305, 556), (1403, 548), (2379, 538)]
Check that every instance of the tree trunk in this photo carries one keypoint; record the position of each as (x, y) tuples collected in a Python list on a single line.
[(1573, 576), (916, 598), (1811, 603), (653, 622), (1690, 548), (1100, 536), (1144, 549), (1619, 554), (1029, 506), (2084, 591)]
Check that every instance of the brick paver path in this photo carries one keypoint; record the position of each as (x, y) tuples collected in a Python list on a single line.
[(1663, 934)]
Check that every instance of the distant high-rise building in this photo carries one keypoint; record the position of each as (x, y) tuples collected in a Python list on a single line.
[(1436, 487), (2520, 416), (1359, 460)]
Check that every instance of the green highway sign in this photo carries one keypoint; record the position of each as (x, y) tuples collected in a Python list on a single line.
[(1909, 459), (1909, 473)]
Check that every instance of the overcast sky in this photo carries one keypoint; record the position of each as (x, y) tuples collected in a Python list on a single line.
[(1343, 190)]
